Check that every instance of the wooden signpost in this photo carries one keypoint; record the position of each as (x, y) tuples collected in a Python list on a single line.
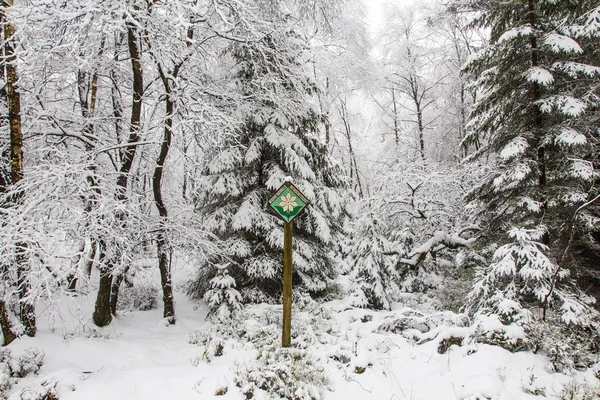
[(287, 202)]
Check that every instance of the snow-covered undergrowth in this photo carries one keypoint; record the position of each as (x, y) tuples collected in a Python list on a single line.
[(338, 352)]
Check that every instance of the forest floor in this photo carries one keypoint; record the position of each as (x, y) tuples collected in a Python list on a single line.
[(341, 353)]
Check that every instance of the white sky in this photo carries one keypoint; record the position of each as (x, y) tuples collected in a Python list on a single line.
[(375, 13)]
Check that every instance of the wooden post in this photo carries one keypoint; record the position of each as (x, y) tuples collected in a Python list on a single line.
[(287, 202), (286, 336)]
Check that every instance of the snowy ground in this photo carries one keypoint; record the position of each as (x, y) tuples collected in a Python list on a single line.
[(139, 357)]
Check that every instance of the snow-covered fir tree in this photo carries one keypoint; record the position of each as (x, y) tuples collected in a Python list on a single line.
[(277, 137), (522, 276), (536, 115), (534, 110), (222, 297), (374, 278)]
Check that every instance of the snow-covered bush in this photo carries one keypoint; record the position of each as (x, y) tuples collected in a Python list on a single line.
[(29, 362), (211, 342), (285, 373), (575, 390), (567, 348), (496, 330), (297, 372), (13, 368), (422, 328), (141, 297)]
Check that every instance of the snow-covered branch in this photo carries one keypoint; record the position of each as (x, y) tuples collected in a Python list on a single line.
[(437, 242)]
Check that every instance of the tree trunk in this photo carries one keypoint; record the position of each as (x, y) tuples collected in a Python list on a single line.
[(538, 122), (396, 127), (88, 89), (102, 313), (353, 164), (5, 181), (7, 332), (27, 308), (114, 291), (161, 240), (103, 301), (162, 245), (421, 130), (136, 109), (327, 122)]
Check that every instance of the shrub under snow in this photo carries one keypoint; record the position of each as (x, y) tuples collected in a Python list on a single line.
[(13, 368)]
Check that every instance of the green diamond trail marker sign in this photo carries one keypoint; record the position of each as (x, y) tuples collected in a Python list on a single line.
[(288, 201)]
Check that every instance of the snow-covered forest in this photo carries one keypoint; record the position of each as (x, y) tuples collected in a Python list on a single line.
[(447, 150)]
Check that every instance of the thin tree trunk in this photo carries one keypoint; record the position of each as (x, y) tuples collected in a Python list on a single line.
[(536, 96), (88, 89), (27, 308), (136, 109), (103, 301), (161, 239), (421, 130), (462, 123), (162, 245), (5, 181), (353, 163), (89, 262), (185, 173), (396, 127), (327, 122)]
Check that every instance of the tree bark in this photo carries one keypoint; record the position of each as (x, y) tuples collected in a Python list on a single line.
[(27, 308), (7, 332), (114, 291), (102, 313)]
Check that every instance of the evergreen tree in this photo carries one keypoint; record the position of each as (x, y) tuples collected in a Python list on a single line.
[(521, 275), (537, 116), (222, 297), (373, 277), (277, 137)]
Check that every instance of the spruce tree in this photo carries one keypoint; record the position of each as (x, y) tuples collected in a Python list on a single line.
[(222, 298), (522, 275), (538, 101), (373, 277), (535, 108), (277, 137)]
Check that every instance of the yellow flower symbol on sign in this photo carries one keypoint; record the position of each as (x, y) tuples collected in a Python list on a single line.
[(288, 203)]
